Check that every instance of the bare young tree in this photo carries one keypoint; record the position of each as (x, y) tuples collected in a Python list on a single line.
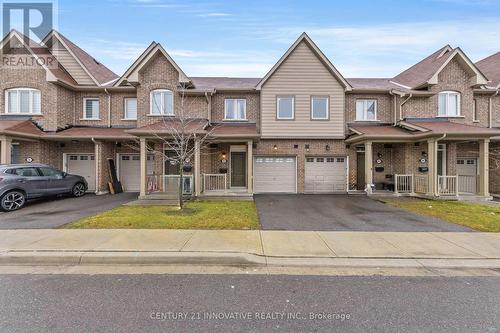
[(178, 135)]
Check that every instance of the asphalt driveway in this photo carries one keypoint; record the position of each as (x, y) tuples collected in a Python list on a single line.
[(55, 212), (341, 213)]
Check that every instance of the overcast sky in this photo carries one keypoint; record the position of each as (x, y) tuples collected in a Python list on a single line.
[(245, 38)]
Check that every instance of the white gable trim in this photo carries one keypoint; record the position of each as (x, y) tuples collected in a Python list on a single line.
[(131, 74), (319, 54), (479, 77), (54, 34)]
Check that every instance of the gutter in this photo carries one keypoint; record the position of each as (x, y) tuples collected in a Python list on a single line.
[(490, 109), (401, 106), (393, 93), (109, 106)]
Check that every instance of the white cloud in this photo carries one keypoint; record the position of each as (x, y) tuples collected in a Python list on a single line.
[(243, 69), (214, 15)]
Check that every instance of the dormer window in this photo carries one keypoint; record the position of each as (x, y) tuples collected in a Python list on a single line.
[(449, 104), (23, 101)]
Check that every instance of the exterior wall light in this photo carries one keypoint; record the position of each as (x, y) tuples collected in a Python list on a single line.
[(275, 147)]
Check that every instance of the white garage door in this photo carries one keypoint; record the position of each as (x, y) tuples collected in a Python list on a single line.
[(325, 174), (130, 171), (274, 174), (83, 165)]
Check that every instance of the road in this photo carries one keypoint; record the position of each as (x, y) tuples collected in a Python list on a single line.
[(250, 303)]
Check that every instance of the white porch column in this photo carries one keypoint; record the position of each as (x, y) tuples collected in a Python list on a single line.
[(368, 166), (5, 149), (250, 166), (197, 168), (432, 153), (484, 169), (143, 157)]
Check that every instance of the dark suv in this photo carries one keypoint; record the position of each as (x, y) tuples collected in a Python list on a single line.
[(21, 182)]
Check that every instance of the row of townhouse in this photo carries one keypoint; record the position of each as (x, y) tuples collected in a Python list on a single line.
[(302, 128)]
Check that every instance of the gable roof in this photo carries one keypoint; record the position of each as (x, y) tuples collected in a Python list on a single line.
[(305, 38), (426, 71), (22, 128), (491, 67), (144, 58), (99, 73)]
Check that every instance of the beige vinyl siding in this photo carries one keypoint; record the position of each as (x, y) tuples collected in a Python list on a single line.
[(302, 75), (71, 65)]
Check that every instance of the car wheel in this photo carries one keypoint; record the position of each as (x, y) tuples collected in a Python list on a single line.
[(78, 190), (13, 200)]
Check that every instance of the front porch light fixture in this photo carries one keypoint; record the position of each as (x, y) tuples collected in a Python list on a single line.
[(327, 147), (275, 147), (307, 148), (223, 157)]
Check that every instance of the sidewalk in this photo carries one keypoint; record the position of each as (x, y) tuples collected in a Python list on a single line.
[(226, 247)]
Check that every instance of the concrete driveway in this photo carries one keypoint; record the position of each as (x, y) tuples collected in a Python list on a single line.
[(55, 212), (341, 213)]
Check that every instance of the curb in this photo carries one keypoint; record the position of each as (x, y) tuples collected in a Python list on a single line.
[(51, 258)]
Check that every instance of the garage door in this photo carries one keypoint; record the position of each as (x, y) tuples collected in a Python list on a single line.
[(83, 165), (325, 174), (274, 175), (467, 175), (130, 171)]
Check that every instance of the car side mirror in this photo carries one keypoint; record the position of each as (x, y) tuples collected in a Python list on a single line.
[(64, 174)]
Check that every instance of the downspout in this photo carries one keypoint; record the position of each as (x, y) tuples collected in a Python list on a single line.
[(96, 154), (401, 106), (394, 106), (109, 106), (490, 110)]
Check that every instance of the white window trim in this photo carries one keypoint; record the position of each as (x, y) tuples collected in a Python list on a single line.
[(31, 90), (125, 108), (278, 98), (327, 108), (161, 106), (365, 109), (235, 100), (85, 99), (459, 104)]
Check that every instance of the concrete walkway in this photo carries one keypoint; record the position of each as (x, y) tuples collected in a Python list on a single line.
[(223, 247)]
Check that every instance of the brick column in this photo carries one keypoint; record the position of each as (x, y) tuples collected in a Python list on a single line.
[(5, 150), (250, 166), (484, 171), (104, 151)]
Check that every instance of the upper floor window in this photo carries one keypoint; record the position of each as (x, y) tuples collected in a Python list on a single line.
[(130, 108), (366, 109), (235, 109), (91, 108), (285, 107), (23, 101), (449, 104), (162, 102), (474, 111), (319, 107)]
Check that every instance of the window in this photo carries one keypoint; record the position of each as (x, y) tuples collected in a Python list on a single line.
[(130, 108), (91, 108), (474, 110), (235, 109), (26, 172), (319, 108), (285, 107), (162, 102), (449, 104), (49, 172), (366, 110), (23, 101)]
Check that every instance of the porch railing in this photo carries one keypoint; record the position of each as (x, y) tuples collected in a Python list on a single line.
[(421, 184), (168, 184), (447, 185), (214, 182), (468, 184), (403, 183)]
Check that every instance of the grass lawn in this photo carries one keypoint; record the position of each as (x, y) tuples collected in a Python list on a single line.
[(195, 215), (481, 217)]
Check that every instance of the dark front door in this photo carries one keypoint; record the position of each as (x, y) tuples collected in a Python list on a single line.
[(238, 169), (360, 179), (171, 167)]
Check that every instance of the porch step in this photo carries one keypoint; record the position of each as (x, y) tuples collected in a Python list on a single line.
[(160, 196)]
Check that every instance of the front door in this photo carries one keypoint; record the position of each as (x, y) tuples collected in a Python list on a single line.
[(360, 178), (171, 166), (238, 169)]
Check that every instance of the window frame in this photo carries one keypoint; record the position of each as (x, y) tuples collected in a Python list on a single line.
[(365, 109), (448, 93), (278, 98), (31, 99), (85, 99), (235, 101), (327, 98), (125, 100), (151, 94), (475, 119)]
